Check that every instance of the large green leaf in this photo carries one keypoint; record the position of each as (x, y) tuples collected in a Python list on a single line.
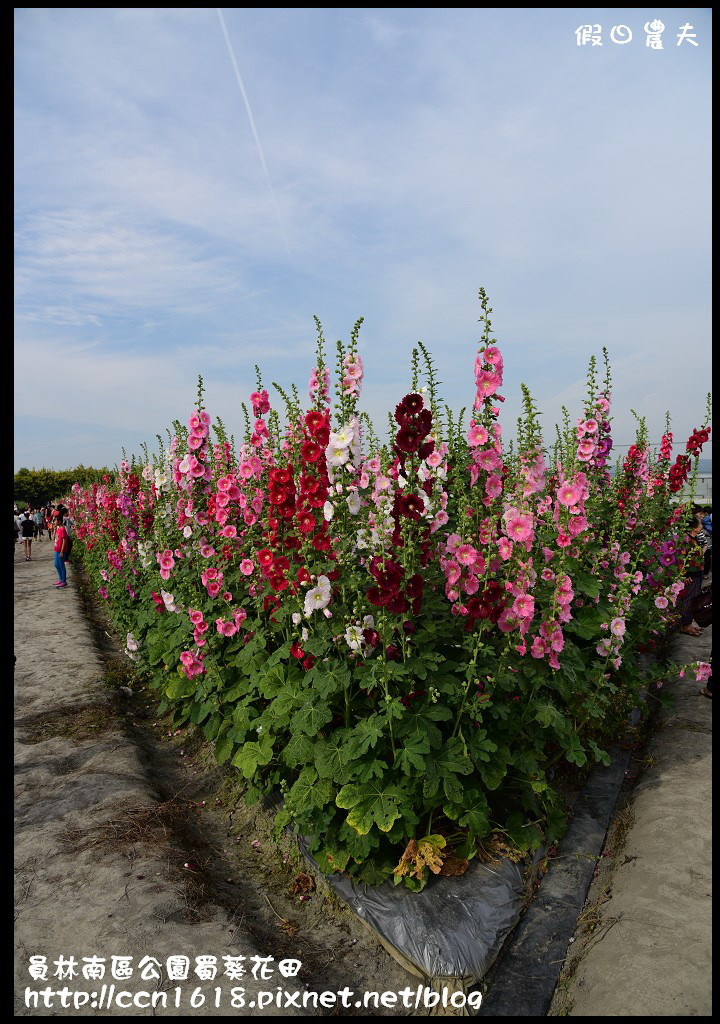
[(370, 804)]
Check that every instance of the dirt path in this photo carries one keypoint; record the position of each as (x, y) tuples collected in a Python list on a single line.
[(643, 945), (109, 809)]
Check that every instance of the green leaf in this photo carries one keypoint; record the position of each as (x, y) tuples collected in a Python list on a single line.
[(311, 717), (476, 818), (299, 750), (330, 757), (250, 756), (496, 769), (370, 804), (410, 758), (365, 735), (223, 749)]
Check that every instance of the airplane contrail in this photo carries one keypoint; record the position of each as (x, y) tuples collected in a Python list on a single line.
[(254, 130)]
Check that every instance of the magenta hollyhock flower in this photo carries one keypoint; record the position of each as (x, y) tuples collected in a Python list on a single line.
[(465, 554), (539, 648), (213, 589), (487, 383), (477, 435), (519, 526), (507, 621), (524, 606), (452, 573), (569, 494), (195, 616), (493, 486)]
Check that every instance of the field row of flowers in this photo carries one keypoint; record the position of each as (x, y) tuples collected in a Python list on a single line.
[(406, 639)]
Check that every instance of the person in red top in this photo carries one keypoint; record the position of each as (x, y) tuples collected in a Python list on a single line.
[(60, 549)]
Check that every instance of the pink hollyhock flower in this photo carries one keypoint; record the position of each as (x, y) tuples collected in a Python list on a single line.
[(548, 554), (521, 648), (524, 606), (471, 585), (165, 574), (226, 628), (465, 554), (195, 616), (539, 648), (239, 615), (617, 627), (577, 525), (563, 540), (568, 494), (452, 573), (586, 450), (493, 486), (477, 435), (703, 671), (508, 621), (487, 383), (661, 602), (493, 355), (207, 551), (505, 548), (228, 531), (452, 595), (548, 575), (213, 589), (487, 459), (518, 525)]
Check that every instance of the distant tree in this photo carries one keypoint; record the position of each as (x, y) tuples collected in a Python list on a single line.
[(39, 486)]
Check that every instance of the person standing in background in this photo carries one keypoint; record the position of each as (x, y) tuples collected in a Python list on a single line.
[(60, 549), (27, 531), (707, 528)]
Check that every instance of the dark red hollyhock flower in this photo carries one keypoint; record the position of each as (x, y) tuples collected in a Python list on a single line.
[(412, 403), (378, 597), (424, 422), (392, 653), (410, 506), (333, 575), (271, 602), (308, 662), (371, 637), (311, 451), (159, 603), (407, 440), (398, 604), (265, 558), (297, 651), (320, 542), (409, 628), (302, 576), (291, 543), (282, 563)]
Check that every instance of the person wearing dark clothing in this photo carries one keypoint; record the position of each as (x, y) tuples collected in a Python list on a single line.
[(27, 532), (692, 554)]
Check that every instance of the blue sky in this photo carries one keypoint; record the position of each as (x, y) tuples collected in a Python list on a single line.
[(388, 162)]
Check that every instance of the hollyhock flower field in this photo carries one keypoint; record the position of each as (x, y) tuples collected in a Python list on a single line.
[(408, 639)]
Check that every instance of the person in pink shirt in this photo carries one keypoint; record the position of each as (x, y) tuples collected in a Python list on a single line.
[(60, 549)]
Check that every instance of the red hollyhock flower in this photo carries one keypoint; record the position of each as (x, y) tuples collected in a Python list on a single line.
[(308, 662), (407, 439), (265, 558), (303, 576), (297, 651), (311, 451), (306, 522)]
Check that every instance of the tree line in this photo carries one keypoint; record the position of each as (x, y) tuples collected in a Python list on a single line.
[(38, 487)]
